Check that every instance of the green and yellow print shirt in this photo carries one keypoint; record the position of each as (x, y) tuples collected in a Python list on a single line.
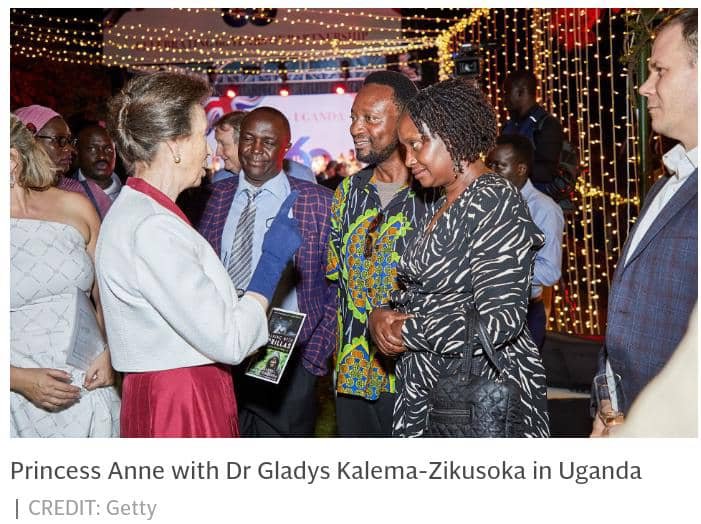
[(367, 282)]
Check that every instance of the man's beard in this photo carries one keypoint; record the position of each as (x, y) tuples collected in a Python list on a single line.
[(377, 157)]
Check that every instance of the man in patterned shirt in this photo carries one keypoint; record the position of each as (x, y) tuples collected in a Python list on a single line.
[(373, 214)]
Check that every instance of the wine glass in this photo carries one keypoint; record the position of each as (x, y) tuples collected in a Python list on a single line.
[(609, 399)]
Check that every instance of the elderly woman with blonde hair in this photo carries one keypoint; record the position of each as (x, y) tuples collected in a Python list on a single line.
[(53, 234)]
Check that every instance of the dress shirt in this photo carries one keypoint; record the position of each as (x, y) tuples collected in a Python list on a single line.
[(680, 164), (268, 202), (112, 190), (547, 215)]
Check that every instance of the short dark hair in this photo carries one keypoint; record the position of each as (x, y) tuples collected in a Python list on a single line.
[(151, 109), (90, 128), (272, 112), (689, 20), (404, 89), (233, 120), (522, 148), (458, 112), (522, 77)]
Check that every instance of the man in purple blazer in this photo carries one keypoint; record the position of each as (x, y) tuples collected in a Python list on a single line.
[(654, 288), (234, 221)]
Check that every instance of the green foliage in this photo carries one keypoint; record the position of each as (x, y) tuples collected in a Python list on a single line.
[(640, 24)]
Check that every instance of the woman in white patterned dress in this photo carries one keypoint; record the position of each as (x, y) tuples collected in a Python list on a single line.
[(53, 235), (476, 252)]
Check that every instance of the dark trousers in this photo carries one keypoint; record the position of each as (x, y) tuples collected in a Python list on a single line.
[(287, 409), (358, 417), (536, 322)]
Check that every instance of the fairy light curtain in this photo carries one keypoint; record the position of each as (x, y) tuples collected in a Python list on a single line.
[(575, 54)]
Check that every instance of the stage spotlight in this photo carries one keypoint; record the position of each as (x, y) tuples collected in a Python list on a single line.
[(284, 90), (231, 92), (340, 89)]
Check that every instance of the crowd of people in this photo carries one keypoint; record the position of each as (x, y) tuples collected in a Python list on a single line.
[(177, 267)]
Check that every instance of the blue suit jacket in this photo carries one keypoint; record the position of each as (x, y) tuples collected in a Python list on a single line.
[(316, 296), (653, 294)]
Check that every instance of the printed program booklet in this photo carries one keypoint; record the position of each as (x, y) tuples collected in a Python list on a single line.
[(86, 339), (270, 362)]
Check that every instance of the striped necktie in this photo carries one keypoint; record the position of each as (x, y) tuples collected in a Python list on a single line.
[(241, 253)]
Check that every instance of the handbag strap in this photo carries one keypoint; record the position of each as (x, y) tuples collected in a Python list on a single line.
[(469, 336), (484, 340)]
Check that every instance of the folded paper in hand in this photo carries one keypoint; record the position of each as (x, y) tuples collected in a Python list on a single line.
[(86, 339)]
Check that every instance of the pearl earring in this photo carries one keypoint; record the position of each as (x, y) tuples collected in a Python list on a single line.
[(176, 156)]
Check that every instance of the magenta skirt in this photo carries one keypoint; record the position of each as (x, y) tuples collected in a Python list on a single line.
[(185, 402)]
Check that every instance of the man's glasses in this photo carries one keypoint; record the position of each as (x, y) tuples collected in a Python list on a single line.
[(371, 236), (59, 141)]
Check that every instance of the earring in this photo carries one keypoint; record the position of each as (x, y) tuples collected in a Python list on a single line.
[(456, 169), (176, 156)]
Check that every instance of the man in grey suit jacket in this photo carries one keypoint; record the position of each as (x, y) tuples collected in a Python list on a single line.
[(654, 288)]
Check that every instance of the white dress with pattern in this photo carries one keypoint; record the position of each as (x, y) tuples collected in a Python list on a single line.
[(48, 266)]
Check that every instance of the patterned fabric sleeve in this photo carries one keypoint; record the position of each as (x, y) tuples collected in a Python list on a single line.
[(442, 334), (333, 266), (501, 254), (323, 339)]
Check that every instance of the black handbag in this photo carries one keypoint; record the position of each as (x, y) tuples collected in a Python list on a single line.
[(467, 405)]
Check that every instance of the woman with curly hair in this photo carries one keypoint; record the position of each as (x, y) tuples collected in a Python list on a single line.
[(476, 252)]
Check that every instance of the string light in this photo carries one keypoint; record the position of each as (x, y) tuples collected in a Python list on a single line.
[(130, 50), (54, 47), (176, 44)]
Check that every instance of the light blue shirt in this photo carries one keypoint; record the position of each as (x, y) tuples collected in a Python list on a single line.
[(268, 202), (547, 215)]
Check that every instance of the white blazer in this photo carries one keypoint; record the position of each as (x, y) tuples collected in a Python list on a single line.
[(168, 302)]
